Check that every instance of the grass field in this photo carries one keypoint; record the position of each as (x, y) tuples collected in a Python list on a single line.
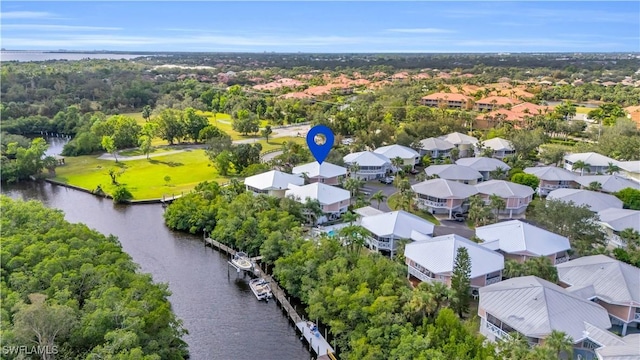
[(583, 110), (392, 201)]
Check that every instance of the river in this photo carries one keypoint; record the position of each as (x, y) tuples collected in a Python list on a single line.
[(224, 319)]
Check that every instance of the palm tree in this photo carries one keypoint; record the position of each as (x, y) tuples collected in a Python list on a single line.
[(582, 166), (379, 196), (560, 343), (406, 198), (514, 348), (498, 174), (497, 203), (353, 185), (350, 217), (594, 186), (313, 209), (397, 163), (353, 169), (479, 213), (612, 168)]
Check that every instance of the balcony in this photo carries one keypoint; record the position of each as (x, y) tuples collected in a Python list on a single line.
[(493, 280), (562, 259), (383, 245), (420, 275), (499, 333), (433, 204)]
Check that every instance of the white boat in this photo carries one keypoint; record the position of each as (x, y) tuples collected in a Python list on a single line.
[(241, 261), (260, 288)]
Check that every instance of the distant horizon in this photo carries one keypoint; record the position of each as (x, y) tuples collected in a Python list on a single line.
[(314, 27)]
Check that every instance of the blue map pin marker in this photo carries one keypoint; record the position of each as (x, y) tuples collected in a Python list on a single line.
[(320, 152)]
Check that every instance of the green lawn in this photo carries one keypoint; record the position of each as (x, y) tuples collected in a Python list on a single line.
[(583, 110), (392, 201)]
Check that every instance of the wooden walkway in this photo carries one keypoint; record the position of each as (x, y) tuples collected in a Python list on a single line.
[(316, 341)]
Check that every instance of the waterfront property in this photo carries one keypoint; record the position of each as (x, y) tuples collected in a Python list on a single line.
[(333, 201), (516, 197), (609, 282), (485, 166), (325, 173), (386, 229), (371, 166), (273, 183), (520, 241), (594, 200), (534, 307), (409, 156), (615, 220), (440, 196), (435, 148), (596, 163), (552, 178), (433, 260), (454, 172)]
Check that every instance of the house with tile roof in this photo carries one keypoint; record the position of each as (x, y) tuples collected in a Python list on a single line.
[(273, 183), (608, 282), (440, 196), (501, 147), (516, 196), (598, 163), (520, 241), (594, 200), (447, 100), (534, 307), (492, 103), (615, 220), (334, 201), (552, 178), (454, 172), (433, 260), (371, 165), (435, 148), (409, 156), (387, 228), (609, 183), (484, 165), (325, 173)]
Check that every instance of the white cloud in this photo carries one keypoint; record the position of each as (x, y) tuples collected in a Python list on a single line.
[(46, 27), (25, 15), (421, 31)]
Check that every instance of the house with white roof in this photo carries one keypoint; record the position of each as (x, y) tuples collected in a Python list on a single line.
[(610, 183), (627, 348), (454, 172), (325, 173), (516, 197), (630, 169), (366, 211), (608, 282), (598, 163), (501, 147), (520, 241), (273, 183), (615, 220), (409, 156), (464, 143), (484, 165), (333, 200), (387, 228), (435, 148), (552, 178), (440, 196), (433, 260), (371, 165), (596, 201), (534, 308)]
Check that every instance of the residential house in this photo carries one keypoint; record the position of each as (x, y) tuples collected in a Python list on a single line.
[(454, 172), (630, 169), (597, 163), (435, 148), (609, 183), (552, 178), (273, 183), (485, 166), (409, 156), (371, 166), (447, 100), (365, 211), (325, 173), (333, 200), (464, 143), (501, 147), (516, 197), (440, 196), (433, 260), (520, 241), (386, 229), (594, 200), (534, 307), (608, 282), (615, 220), (492, 103), (625, 348)]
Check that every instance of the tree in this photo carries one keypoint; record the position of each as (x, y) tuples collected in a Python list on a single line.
[(479, 213), (350, 217), (499, 173), (222, 162), (560, 343), (193, 123), (121, 194), (461, 281), (497, 203), (146, 112), (526, 179), (566, 110), (245, 155), (170, 125), (379, 196), (612, 168), (245, 122), (541, 267), (313, 210), (630, 198), (582, 166), (607, 113), (630, 251), (353, 185), (145, 145), (266, 132), (594, 186), (109, 145), (50, 163), (525, 142), (397, 163), (167, 180)]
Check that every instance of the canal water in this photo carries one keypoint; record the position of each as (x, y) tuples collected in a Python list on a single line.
[(224, 319)]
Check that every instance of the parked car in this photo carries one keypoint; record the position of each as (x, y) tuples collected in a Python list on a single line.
[(386, 180), (460, 217)]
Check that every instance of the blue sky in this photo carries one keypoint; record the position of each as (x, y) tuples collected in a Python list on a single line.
[(390, 26)]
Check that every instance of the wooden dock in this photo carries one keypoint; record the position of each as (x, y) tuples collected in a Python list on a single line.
[(316, 341)]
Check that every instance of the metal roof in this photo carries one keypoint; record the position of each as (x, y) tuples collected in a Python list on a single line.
[(457, 138), (436, 144), (326, 170), (453, 172), (610, 183), (398, 224), (591, 158), (444, 189), (325, 194), (535, 307), (438, 255), (517, 237), (620, 219), (483, 163), (551, 173), (596, 201), (366, 158), (613, 281), (273, 180), (504, 189), (497, 144), (393, 151), (629, 351)]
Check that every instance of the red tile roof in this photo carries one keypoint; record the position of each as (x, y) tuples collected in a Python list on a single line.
[(499, 100), (446, 97)]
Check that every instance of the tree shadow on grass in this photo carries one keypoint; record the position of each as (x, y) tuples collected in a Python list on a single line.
[(168, 163)]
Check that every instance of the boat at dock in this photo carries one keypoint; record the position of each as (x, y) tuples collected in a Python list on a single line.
[(260, 288), (241, 261)]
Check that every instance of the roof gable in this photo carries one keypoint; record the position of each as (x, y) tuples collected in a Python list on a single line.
[(366, 158), (325, 194), (483, 163), (444, 189), (453, 172), (596, 201), (393, 151), (516, 236), (273, 180), (399, 224), (326, 170), (436, 144)]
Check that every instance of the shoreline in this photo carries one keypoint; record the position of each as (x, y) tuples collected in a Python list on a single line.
[(127, 202)]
